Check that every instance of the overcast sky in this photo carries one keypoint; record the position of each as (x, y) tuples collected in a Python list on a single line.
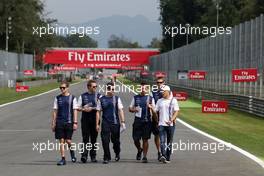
[(78, 11)]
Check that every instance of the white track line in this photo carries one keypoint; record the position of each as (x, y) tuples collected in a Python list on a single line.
[(31, 130), (3, 105), (243, 152)]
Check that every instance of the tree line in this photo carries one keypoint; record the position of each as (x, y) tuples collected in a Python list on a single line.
[(204, 13)]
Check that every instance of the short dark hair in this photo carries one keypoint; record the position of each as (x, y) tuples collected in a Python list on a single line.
[(109, 85), (89, 83), (143, 83), (65, 82)]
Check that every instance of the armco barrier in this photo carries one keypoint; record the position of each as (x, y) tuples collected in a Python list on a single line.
[(247, 104)]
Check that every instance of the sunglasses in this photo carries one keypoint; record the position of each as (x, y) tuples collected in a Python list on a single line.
[(63, 87), (94, 87), (160, 82)]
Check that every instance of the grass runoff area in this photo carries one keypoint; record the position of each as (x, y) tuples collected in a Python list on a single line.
[(9, 94), (239, 128)]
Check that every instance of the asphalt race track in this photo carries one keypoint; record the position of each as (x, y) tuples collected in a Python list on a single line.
[(28, 122)]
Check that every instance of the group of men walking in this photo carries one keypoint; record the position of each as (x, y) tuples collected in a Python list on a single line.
[(155, 112)]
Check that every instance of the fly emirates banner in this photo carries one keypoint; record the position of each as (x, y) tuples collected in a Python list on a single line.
[(99, 58)]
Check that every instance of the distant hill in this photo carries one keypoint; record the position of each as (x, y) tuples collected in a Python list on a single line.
[(137, 28)]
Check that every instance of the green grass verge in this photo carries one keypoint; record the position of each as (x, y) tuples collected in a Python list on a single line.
[(239, 128), (8, 95)]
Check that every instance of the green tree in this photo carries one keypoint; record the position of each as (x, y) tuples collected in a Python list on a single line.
[(121, 42), (155, 43), (203, 13), (78, 42)]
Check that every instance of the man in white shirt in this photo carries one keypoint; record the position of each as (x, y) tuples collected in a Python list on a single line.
[(167, 109)]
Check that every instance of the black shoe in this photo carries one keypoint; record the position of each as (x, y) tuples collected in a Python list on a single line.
[(139, 154), (84, 159), (73, 158), (105, 162), (144, 160), (62, 162), (117, 157), (168, 158), (93, 160), (159, 156)]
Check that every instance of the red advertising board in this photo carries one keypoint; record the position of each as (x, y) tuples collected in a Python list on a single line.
[(28, 72), (144, 73), (52, 72), (22, 88), (160, 74), (132, 67), (180, 96), (245, 75), (197, 75), (100, 58), (214, 106), (64, 68)]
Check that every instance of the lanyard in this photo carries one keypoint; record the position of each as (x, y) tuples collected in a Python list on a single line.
[(146, 116), (114, 109), (70, 106), (170, 108)]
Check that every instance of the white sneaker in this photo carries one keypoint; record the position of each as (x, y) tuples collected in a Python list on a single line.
[(163, 159), (166, 161)]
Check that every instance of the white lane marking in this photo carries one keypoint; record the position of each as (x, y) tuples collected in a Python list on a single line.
[(6, 104), (243, 152), (29, 130)]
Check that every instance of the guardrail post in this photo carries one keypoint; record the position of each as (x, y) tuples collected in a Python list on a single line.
[(250, 102)]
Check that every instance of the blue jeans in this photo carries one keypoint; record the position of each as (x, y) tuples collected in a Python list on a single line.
[(166, 137)]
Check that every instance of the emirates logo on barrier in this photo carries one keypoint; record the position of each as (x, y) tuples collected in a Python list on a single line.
[(209, 106), (199, 75), (52, 72), (28, 72), (180, 96), (22, 88), (144, 73), (245, 75)]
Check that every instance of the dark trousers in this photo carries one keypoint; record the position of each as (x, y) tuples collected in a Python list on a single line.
[(110, 132), (89, 134), (166, 138)]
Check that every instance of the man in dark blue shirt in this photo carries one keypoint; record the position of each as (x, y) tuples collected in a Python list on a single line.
[(141, 105), (64, 120), (87, 104), (156, 94), (112, 119)]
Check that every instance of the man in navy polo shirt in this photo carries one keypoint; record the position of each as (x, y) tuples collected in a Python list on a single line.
[(112, 119), (141, 105), (87, 104), (64, 120)]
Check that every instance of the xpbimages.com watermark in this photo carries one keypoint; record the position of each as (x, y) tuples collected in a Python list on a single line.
[(195, 30), (55, 146), (127, 88), (212, 147), (65, 30)]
